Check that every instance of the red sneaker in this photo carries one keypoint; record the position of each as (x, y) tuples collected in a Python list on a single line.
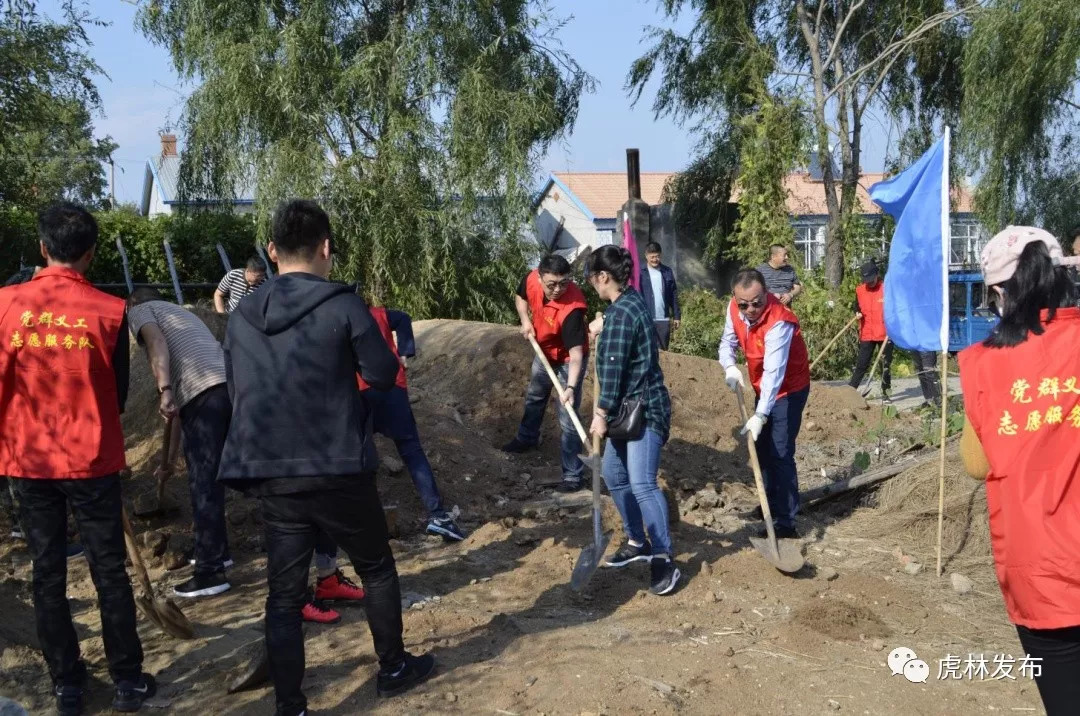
[(338, 587), (319, 614)]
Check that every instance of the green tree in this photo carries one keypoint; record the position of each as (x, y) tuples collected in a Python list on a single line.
[(417, 123), (1020, 113), (47, 102), (839, 57)]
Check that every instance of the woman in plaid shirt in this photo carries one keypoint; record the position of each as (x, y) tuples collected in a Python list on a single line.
[(628, 367)]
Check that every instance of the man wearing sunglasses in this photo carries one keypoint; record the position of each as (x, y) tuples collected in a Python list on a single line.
[(768, 334), (552, 310)]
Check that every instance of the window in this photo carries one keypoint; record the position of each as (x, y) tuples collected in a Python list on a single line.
[(968, 239), (810, 244)]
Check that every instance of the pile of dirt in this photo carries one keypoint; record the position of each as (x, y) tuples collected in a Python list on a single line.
[(841, 619)]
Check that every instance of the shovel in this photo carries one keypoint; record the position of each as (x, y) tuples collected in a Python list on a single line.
[(785, 555), (590, 556), (143, 506), (163, 612)]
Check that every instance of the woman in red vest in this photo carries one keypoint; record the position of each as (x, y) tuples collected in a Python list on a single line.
[(768, 333), (1022, 435), (870, 307)]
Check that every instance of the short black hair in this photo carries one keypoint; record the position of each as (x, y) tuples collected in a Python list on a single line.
[(144, 294), (255, 263), (653, 248), (613, 259), (747, 277), (776, 248), (1037, 284), (1075, 233), (67, 230), (555, 265), (299, 228)]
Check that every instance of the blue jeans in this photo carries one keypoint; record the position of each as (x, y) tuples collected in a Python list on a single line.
[(394, 418), (536, 400), (630, 468), (776, 453)]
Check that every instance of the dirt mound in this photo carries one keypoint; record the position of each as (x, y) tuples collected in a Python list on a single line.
[(841, 620)]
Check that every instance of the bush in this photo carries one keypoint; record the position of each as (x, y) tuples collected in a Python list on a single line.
[(702, 324)]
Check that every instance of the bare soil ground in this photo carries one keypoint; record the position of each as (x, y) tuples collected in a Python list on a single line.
[(510, 636)]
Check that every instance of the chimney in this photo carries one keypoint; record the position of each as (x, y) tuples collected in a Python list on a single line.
[(168, 145), (633, 173)]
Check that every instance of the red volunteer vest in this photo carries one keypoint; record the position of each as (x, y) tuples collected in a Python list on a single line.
[(379, 314), (58, 400), (1024, 403), (752, 342), (872, 307), (548, 318)]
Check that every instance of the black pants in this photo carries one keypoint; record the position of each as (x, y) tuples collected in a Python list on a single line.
[(866, 354), (1059, 649), (205, 424), (95, 503), (663, 333), (926, 365), (353, 517)]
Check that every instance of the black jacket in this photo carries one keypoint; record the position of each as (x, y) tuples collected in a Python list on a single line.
[(292, 352), (671, 291)]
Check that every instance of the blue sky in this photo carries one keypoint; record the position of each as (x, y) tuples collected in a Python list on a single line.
[(142, 94)]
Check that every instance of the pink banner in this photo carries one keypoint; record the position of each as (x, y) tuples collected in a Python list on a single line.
[(630, 245)]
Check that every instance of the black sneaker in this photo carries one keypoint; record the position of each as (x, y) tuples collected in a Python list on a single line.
[(629, 553), (203, 585), (781, 533), (69, 700), (225, 565), (446, 528), (664, 575), (570, 485), (17, 533), (414, 670), (517, 447), (131, 694)]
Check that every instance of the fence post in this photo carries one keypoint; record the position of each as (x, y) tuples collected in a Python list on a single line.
[(266, 261), (172, 271), (124, 261), (224, 258)]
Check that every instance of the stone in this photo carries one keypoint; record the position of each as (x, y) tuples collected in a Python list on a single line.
[(730, 651), (450, 697), (828, 574), (736, 609), (961, 584), (154, 542), (834, 704), (392, 464), (913, 568), (173, 560), (877, 645)]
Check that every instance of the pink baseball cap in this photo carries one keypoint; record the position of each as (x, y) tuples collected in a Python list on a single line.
[(1001, 253)]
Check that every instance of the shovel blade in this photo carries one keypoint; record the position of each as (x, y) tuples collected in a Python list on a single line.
[(787, 557), (588, 562), (254, 674)]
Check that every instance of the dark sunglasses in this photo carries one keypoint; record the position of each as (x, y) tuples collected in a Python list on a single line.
[(756, 303)]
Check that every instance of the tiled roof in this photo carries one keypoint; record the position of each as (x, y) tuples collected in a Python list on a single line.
[(604, 193)]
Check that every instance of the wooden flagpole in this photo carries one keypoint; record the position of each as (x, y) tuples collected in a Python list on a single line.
[(941, 461)]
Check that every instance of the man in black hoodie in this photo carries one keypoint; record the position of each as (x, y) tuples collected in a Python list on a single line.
[(300, 440)]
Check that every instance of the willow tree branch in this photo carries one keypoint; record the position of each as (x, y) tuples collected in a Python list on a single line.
[(840, 31)]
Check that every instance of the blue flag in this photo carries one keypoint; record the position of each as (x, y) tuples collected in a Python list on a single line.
[(916, 283)]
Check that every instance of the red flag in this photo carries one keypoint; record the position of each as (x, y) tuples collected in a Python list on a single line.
[(630, 245)]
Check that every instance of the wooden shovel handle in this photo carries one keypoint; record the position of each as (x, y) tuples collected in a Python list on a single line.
[(834, 340), (758, 479), (166, 458), (135, 557), (558, 384)]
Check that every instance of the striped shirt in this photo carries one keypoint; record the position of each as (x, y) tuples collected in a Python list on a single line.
[(628, 362), (196, 361), (778, 281), (235, 286)]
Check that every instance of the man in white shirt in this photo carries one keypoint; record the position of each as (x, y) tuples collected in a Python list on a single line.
[(776, 360), (661, 294)]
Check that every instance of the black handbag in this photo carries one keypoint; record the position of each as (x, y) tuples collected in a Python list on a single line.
[(629, 422)]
